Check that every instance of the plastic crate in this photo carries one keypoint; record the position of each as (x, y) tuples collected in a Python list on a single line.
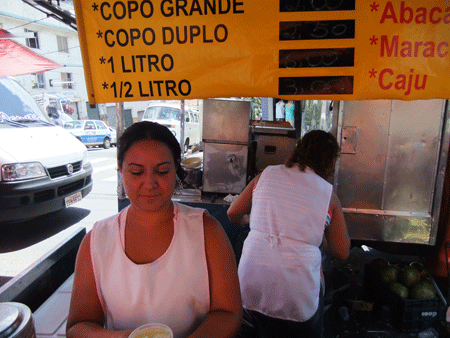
[(407, 315)]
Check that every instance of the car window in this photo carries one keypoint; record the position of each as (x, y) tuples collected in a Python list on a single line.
[(73, 125), (100, 125), (148, 115), (195, 118), (89, 125)]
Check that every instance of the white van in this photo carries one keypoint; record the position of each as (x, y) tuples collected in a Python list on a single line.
[(43, 167), (169, 115)]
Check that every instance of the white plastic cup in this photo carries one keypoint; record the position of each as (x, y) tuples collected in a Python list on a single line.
[(152, 330)]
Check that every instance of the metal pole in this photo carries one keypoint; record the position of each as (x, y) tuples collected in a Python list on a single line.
[(119, 129), (182, 128)]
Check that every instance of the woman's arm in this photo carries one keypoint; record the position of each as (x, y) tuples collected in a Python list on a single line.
[(224, 318), (86, 316), (242, 205), (337, 241)]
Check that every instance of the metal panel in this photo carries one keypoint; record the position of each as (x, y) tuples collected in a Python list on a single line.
[(361, 174), (412, 155), (391, 170), (224, 167), (272, 149), (226, 121)]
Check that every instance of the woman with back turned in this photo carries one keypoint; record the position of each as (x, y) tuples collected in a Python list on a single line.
[(293, 210)]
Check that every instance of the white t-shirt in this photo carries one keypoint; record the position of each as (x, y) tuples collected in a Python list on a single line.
[(172, 290), (279, 110)]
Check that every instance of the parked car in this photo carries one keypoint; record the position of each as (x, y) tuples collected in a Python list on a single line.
[(113, 136), (90, 132), (43, 167), (169, 115)]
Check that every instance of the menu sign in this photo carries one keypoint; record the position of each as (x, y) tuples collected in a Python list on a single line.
[(293, 49)]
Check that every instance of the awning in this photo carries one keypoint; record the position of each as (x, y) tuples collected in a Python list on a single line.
[(16, 59)]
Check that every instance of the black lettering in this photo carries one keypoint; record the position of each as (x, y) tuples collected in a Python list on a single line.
[(181, 5), (169, 66), (143, 13), (123, 65), (122, 32), (194, 31), (159, 86), (104, 4), (205, 40), (134, 34), (169, 9), (109, 44), (225, 33), (235, 10), (188, 89), (170, 87), (140, 91), (211, 6), (170, 39), (150, 85), (141, 61), (132, 7), (178, 35), (195, 7), (124, 11), (224, 10), (153, 61), (147, 41)]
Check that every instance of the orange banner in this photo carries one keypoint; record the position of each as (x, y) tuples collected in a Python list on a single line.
[(137, 50)]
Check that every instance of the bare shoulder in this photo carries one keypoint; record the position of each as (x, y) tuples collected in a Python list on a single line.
[(212, 226)]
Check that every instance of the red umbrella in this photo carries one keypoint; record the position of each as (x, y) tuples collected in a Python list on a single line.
[(16, 59)]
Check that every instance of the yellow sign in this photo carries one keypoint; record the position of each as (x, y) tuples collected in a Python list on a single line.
[(137, 50)]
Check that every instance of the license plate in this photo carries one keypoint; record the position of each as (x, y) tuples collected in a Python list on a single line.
[(73, 199)]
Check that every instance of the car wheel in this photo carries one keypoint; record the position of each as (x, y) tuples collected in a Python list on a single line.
[(186, 145), (106, 143)]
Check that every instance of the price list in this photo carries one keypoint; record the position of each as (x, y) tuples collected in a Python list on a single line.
[(292, 49), (316, 58)]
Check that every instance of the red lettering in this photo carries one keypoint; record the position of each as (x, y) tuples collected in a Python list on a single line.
[(380, 79), (428, 52), (439, 47), (407, 50), (405, 10), (389, 13), (446, 18), (432, 19), (422, 15), (392, 49)]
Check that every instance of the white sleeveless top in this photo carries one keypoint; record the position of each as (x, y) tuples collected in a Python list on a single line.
[(280, 266), (173, 290)]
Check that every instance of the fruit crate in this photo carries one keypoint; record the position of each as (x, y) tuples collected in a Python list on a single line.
[(407, 315)]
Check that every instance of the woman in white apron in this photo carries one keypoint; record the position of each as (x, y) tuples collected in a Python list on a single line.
[(280, 267)]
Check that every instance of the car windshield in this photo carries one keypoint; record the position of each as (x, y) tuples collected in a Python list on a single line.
[(17, 105), (73, 125), (164, 113)]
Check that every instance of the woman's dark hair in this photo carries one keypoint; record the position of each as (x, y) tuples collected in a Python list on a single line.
[(146, 130), (317, 150)]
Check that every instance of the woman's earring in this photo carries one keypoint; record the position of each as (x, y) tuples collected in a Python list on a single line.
[(179, 186)]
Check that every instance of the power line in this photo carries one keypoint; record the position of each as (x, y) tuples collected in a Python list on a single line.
[(58, 51), (28, 23)]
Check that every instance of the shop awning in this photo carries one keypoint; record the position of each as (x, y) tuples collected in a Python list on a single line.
[(16, 59)]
